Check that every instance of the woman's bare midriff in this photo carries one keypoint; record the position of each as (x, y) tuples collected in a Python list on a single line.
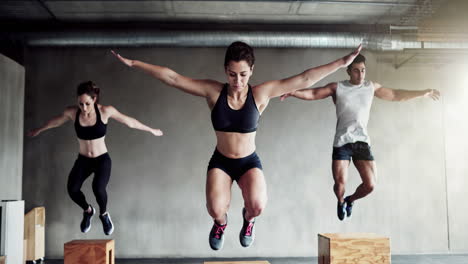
[(235, 145), (92, 148)]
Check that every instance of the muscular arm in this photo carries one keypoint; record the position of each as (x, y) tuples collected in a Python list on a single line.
[(307, 78), (130, 121), (55, 121), (403, 95), (202, 88), (313, 93)]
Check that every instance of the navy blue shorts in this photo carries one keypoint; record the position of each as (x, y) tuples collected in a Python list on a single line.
[(235, 168), (358, 151)]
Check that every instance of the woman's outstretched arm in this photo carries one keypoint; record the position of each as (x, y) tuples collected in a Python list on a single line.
[(54, 122), (130, 121), (168, 76)]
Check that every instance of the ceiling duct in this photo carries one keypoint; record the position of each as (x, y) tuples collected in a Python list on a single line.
[(265, 39)]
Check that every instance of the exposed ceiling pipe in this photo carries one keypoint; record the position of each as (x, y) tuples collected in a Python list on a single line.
[(266, 39), (378, 3), (393, 27), (347, 2)]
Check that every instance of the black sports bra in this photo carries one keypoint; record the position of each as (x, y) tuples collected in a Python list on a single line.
[(226, 119), (95, 131)]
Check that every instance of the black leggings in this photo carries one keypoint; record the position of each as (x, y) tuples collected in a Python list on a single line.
[(84, 166)]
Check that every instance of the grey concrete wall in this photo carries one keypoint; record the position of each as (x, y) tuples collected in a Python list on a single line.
[(156, 192), (11, 128), (456, 129)]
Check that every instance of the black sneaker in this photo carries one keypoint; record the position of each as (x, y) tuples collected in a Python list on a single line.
[(340, 208), (86, 222), (216, 238), (349, 206), (107, 223), (247, 233)]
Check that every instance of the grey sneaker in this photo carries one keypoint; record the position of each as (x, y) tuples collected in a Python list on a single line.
[(247, 233), (349, 206), (86, 222), (216, 238), (107, 224)]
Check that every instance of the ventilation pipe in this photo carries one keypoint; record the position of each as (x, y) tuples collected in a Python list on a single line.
[(264, 39)]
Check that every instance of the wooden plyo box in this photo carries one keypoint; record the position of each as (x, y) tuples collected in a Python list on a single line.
[(2, 259), (353, 248), (237, 262), (25, 250), (89, 252), (34, 233)]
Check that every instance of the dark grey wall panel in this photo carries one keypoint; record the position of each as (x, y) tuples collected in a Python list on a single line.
[(11, 128)]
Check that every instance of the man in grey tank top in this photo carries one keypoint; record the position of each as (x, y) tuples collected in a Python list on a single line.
[(353, 100)]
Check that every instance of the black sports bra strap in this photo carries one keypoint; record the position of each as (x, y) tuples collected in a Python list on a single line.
[(98, 114), (77, 116)]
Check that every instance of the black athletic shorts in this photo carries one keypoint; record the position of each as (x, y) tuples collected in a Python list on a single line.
[(358, 151), (235, 168)]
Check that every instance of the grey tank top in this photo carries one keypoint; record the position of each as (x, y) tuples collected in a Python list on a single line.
[(353, 104)]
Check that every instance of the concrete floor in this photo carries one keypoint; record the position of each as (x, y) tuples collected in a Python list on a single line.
[(397, 259)]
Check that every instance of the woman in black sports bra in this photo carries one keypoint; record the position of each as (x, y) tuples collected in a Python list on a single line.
[(235, 110), (90, 120)]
